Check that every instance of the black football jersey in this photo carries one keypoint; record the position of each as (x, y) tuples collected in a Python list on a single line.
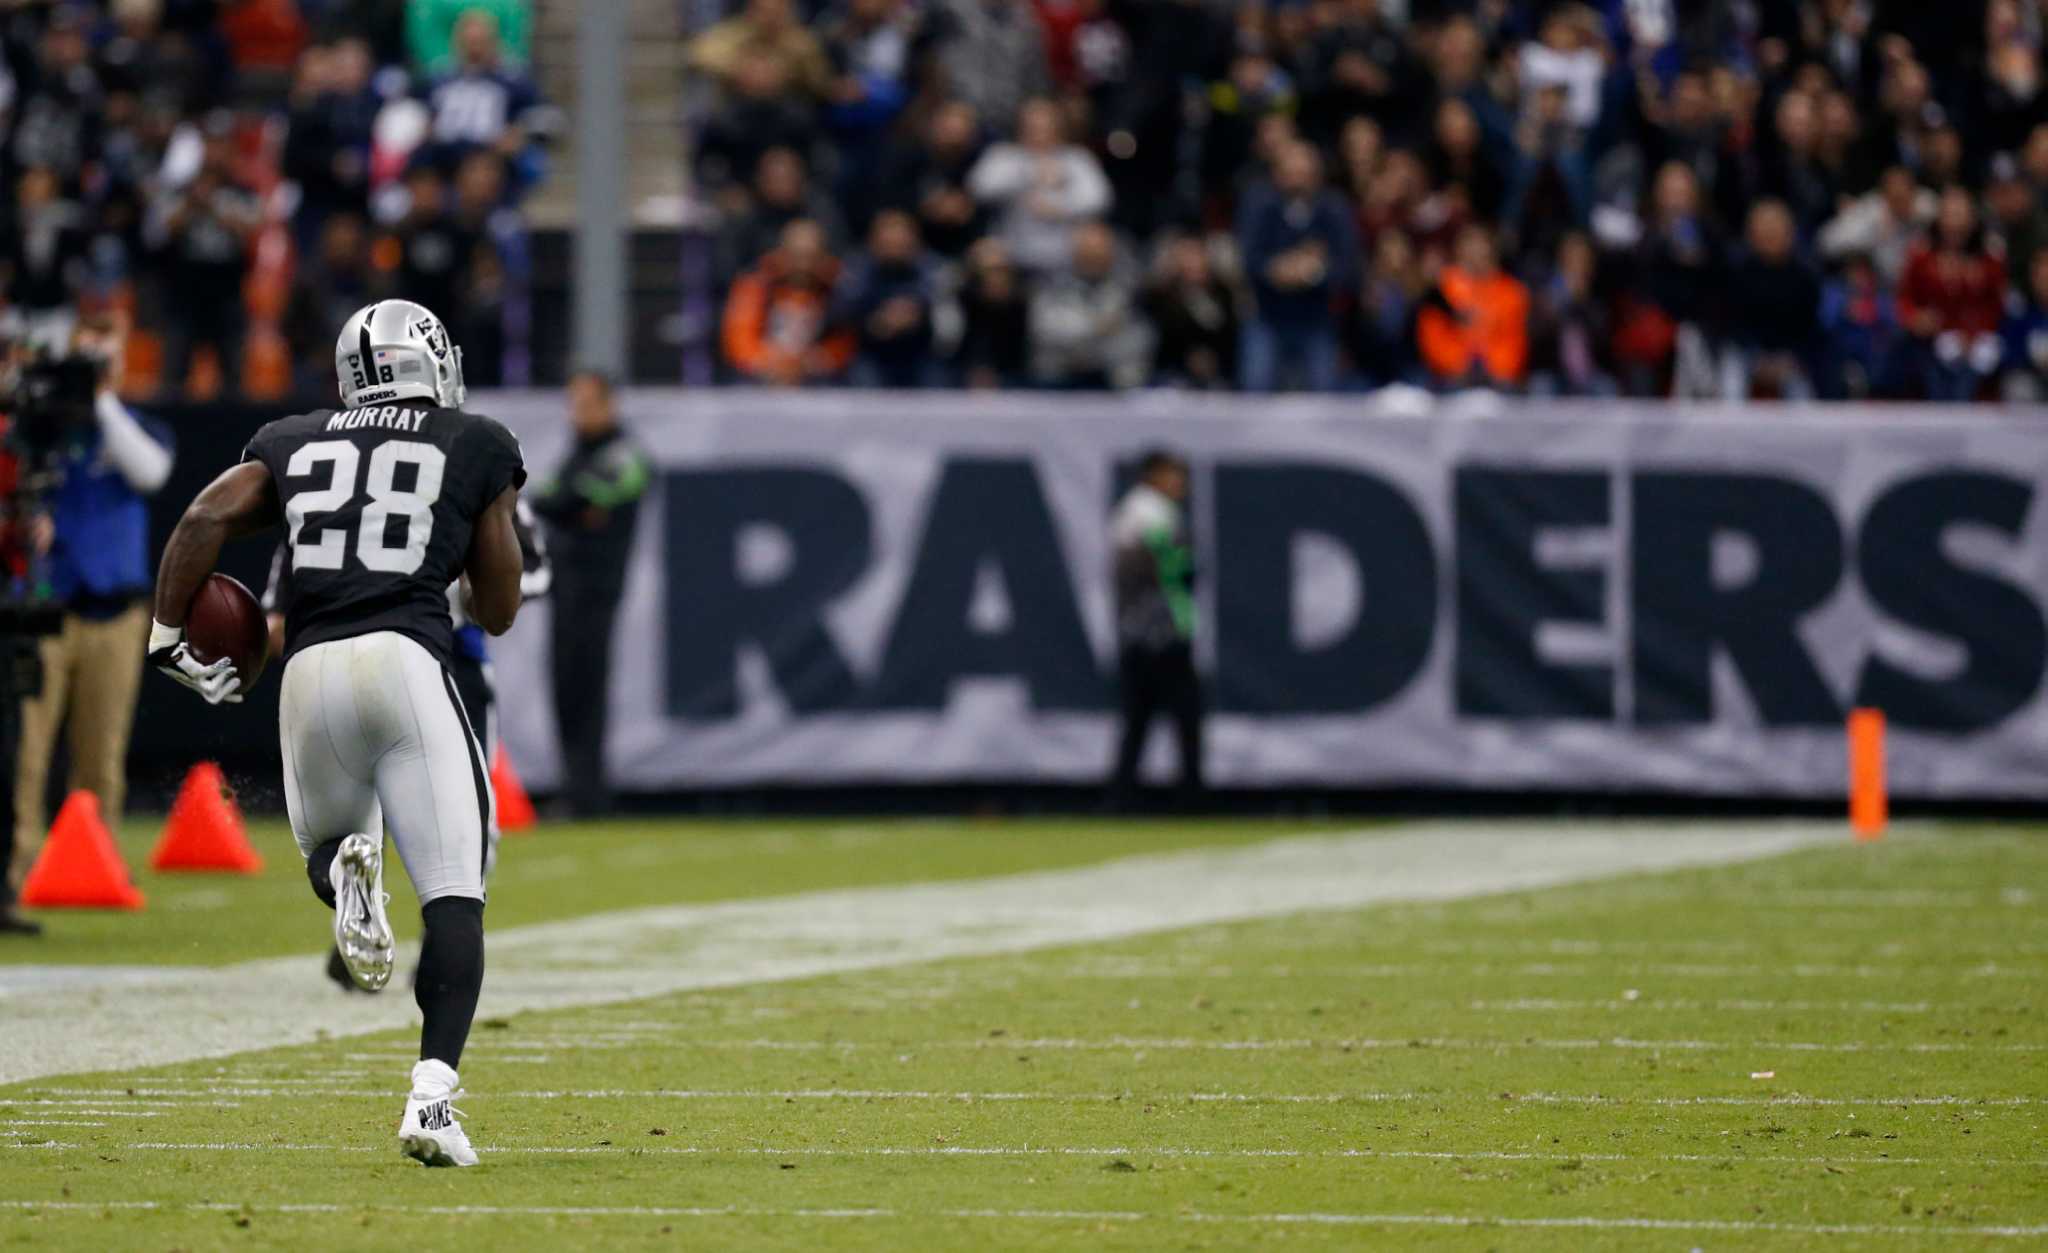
[(379, 505)]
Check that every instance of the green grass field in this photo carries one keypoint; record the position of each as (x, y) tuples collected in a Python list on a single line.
[(1845, 1046)]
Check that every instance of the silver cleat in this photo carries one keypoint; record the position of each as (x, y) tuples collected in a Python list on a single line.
[(362, 931)]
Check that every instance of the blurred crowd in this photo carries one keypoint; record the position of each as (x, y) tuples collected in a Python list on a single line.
[(1699, 198), (240, 175), (1694, 198)]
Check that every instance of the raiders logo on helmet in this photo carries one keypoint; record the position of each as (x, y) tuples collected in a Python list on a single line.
[(435, 338)]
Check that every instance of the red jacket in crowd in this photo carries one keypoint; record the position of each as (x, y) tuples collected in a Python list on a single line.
[(1965, 291)]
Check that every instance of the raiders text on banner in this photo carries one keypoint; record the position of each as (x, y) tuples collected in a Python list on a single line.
[(844, 587)]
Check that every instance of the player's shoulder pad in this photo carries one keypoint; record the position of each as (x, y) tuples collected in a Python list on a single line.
[(280, 429), (494, 440)]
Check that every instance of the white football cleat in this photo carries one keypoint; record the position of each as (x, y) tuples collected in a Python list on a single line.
[(362, 931), (431, 1131)]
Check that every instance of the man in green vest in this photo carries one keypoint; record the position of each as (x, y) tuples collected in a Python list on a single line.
[(1153, 569)]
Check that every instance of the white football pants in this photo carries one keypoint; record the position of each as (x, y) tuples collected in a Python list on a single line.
[(373, 733)]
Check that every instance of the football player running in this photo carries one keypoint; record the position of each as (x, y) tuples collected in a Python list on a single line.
[(385, 502), (469, 664)]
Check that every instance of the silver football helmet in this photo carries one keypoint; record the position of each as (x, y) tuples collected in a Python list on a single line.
[(397, 350)]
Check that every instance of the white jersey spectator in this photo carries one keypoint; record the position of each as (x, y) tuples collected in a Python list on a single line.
[(1041, 187)]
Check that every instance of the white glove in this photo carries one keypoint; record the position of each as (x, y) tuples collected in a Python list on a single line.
[(169, 653)]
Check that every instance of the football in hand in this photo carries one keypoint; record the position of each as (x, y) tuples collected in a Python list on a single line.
[(225, 621)]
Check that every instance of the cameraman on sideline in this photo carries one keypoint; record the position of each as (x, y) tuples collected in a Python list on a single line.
[(99, 573), (25, 535)]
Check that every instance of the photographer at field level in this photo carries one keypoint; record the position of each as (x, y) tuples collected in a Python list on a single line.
[(110, 460), (25, 535)]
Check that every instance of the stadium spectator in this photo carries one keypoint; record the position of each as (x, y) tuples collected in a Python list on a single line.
[(1883, 225), (484, 102), (2010, 101), (264, 37), (1086, 330), (1568, 57), (136, 54), (1673, 294), (1355, 64), (1300, 249), (1473, 330), (1039, 187), (1457, 165), (1860, 325), (1569, 326), (994, 320), (2024, 371), (776, 326), (1538, 121), (1951, 302), (486, 230), (57, 105), (886, 297), (433, 34), (757, 115), (876, 49), (433, 249), (1134, 62), (768, 28), (782, 193), (1193, 311), (2017, 218), (99, 573), (205, 230), (1551, 191), (42, 258), (1794, 173), (1360, 151), (328, 128), (1773, 312), (928, 175), (1255, 88), (1457, 58), (1380, 324), (992, 55), (330, 285)]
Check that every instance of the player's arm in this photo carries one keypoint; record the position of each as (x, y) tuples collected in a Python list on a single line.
[(273, 601), (536, 571), (240, 502), (495, 565)]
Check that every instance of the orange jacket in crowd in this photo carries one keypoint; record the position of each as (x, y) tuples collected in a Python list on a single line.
[(776, 330), (1475, 327)]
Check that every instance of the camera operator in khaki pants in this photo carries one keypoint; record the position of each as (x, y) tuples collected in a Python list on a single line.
[(99, 572)]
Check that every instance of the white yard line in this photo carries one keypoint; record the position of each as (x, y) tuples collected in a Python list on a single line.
[(1123, 1151), (1114, 971), (71, 1025), (1577, 1222), (208, 1096), (1545, 1005), (541, 1052)]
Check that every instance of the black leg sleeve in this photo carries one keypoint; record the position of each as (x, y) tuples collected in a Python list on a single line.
[(317, 867), (451, 974)]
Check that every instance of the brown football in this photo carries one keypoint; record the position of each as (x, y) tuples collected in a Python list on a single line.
[(225, 621)]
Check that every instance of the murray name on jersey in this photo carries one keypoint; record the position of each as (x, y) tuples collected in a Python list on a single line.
[(382, 417), (379, 506)]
